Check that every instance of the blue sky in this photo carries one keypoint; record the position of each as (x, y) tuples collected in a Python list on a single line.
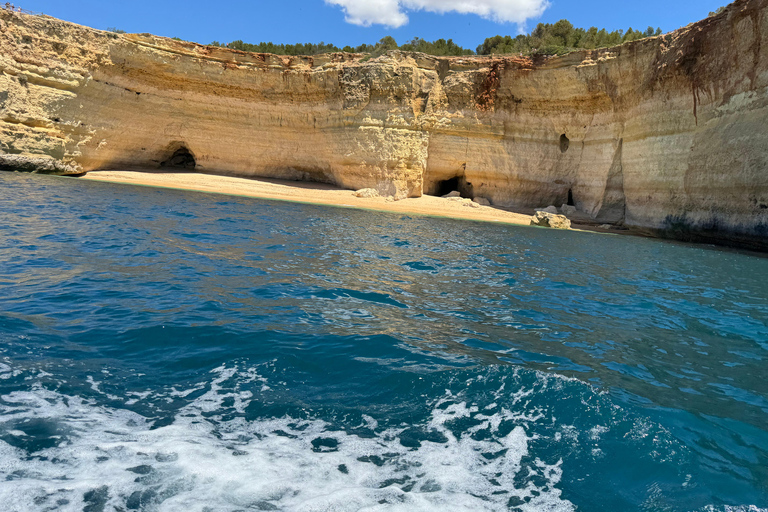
[(334, 21)]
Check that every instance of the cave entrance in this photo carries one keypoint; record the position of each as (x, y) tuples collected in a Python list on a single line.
[(446, 186), (182, 158), (570, 198), (456, 184), (443, 183)]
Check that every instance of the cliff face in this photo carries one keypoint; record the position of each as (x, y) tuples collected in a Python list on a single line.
[(668, 133)]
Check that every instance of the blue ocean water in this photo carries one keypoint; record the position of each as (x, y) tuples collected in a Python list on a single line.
[(173, 351)]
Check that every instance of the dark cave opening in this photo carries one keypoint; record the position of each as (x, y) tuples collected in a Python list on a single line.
[(180, 159), (570, 198), (564, 143), (447, 186), (456, 184)]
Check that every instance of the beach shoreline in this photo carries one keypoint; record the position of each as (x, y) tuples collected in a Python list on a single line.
[(324, 194), (310, 193)]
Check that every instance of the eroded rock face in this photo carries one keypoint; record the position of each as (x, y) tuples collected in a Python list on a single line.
[(668, 133)]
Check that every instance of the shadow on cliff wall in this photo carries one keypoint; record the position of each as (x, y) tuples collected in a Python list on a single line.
[(714, 231), (613, 205)]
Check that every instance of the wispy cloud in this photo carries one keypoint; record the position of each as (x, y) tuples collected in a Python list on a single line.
[(393, 13)]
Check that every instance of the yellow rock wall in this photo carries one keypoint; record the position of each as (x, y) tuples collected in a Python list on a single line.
[(668, 133)]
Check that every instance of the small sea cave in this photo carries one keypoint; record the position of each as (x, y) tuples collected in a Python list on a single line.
[(456, 184), (182, 158), (446, 186), (565, 143), (443, 183), (570, 202)]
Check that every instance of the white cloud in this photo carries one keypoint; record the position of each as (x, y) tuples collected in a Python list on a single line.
[(392, 13), (369, 12)]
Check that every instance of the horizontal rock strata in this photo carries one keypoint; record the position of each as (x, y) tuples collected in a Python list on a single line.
[(668, 133)]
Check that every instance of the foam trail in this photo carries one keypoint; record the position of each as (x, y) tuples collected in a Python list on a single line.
[(106, 458)]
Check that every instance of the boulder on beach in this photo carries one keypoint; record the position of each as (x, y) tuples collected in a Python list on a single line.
[(550, 220), (366, 192)]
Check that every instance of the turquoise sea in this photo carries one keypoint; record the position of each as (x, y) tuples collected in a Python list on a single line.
[(175, 351)]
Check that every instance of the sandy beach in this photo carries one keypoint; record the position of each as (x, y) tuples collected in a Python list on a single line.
[(312, 193)]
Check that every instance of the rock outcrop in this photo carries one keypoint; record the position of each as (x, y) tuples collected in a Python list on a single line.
[(367, 192), (550, 220), (668, 133)]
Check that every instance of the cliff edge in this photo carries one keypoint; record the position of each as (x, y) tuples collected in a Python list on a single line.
[(668, 134)]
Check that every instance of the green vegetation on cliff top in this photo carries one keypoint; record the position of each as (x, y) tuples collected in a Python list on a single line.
[(439, 47), (561, 37), (546, 39)]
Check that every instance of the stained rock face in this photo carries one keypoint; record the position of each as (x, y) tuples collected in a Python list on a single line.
[(667, 133)]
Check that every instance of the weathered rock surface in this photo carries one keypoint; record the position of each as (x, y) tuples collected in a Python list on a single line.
[(366, 192), (667, 133), (550, 220)]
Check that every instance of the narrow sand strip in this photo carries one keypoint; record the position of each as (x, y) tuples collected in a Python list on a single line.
[(312, 193)]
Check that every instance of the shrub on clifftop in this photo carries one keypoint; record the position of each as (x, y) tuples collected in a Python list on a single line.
[(438, 47), (546, 39), (559, 38)]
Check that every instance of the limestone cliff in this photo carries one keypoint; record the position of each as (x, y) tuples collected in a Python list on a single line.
[(667, 133)]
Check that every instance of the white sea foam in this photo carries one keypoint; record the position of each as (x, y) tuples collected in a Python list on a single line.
[(7, 372), (113, 457)]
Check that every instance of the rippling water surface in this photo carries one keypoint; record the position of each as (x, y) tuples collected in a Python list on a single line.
[(165, 350)]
